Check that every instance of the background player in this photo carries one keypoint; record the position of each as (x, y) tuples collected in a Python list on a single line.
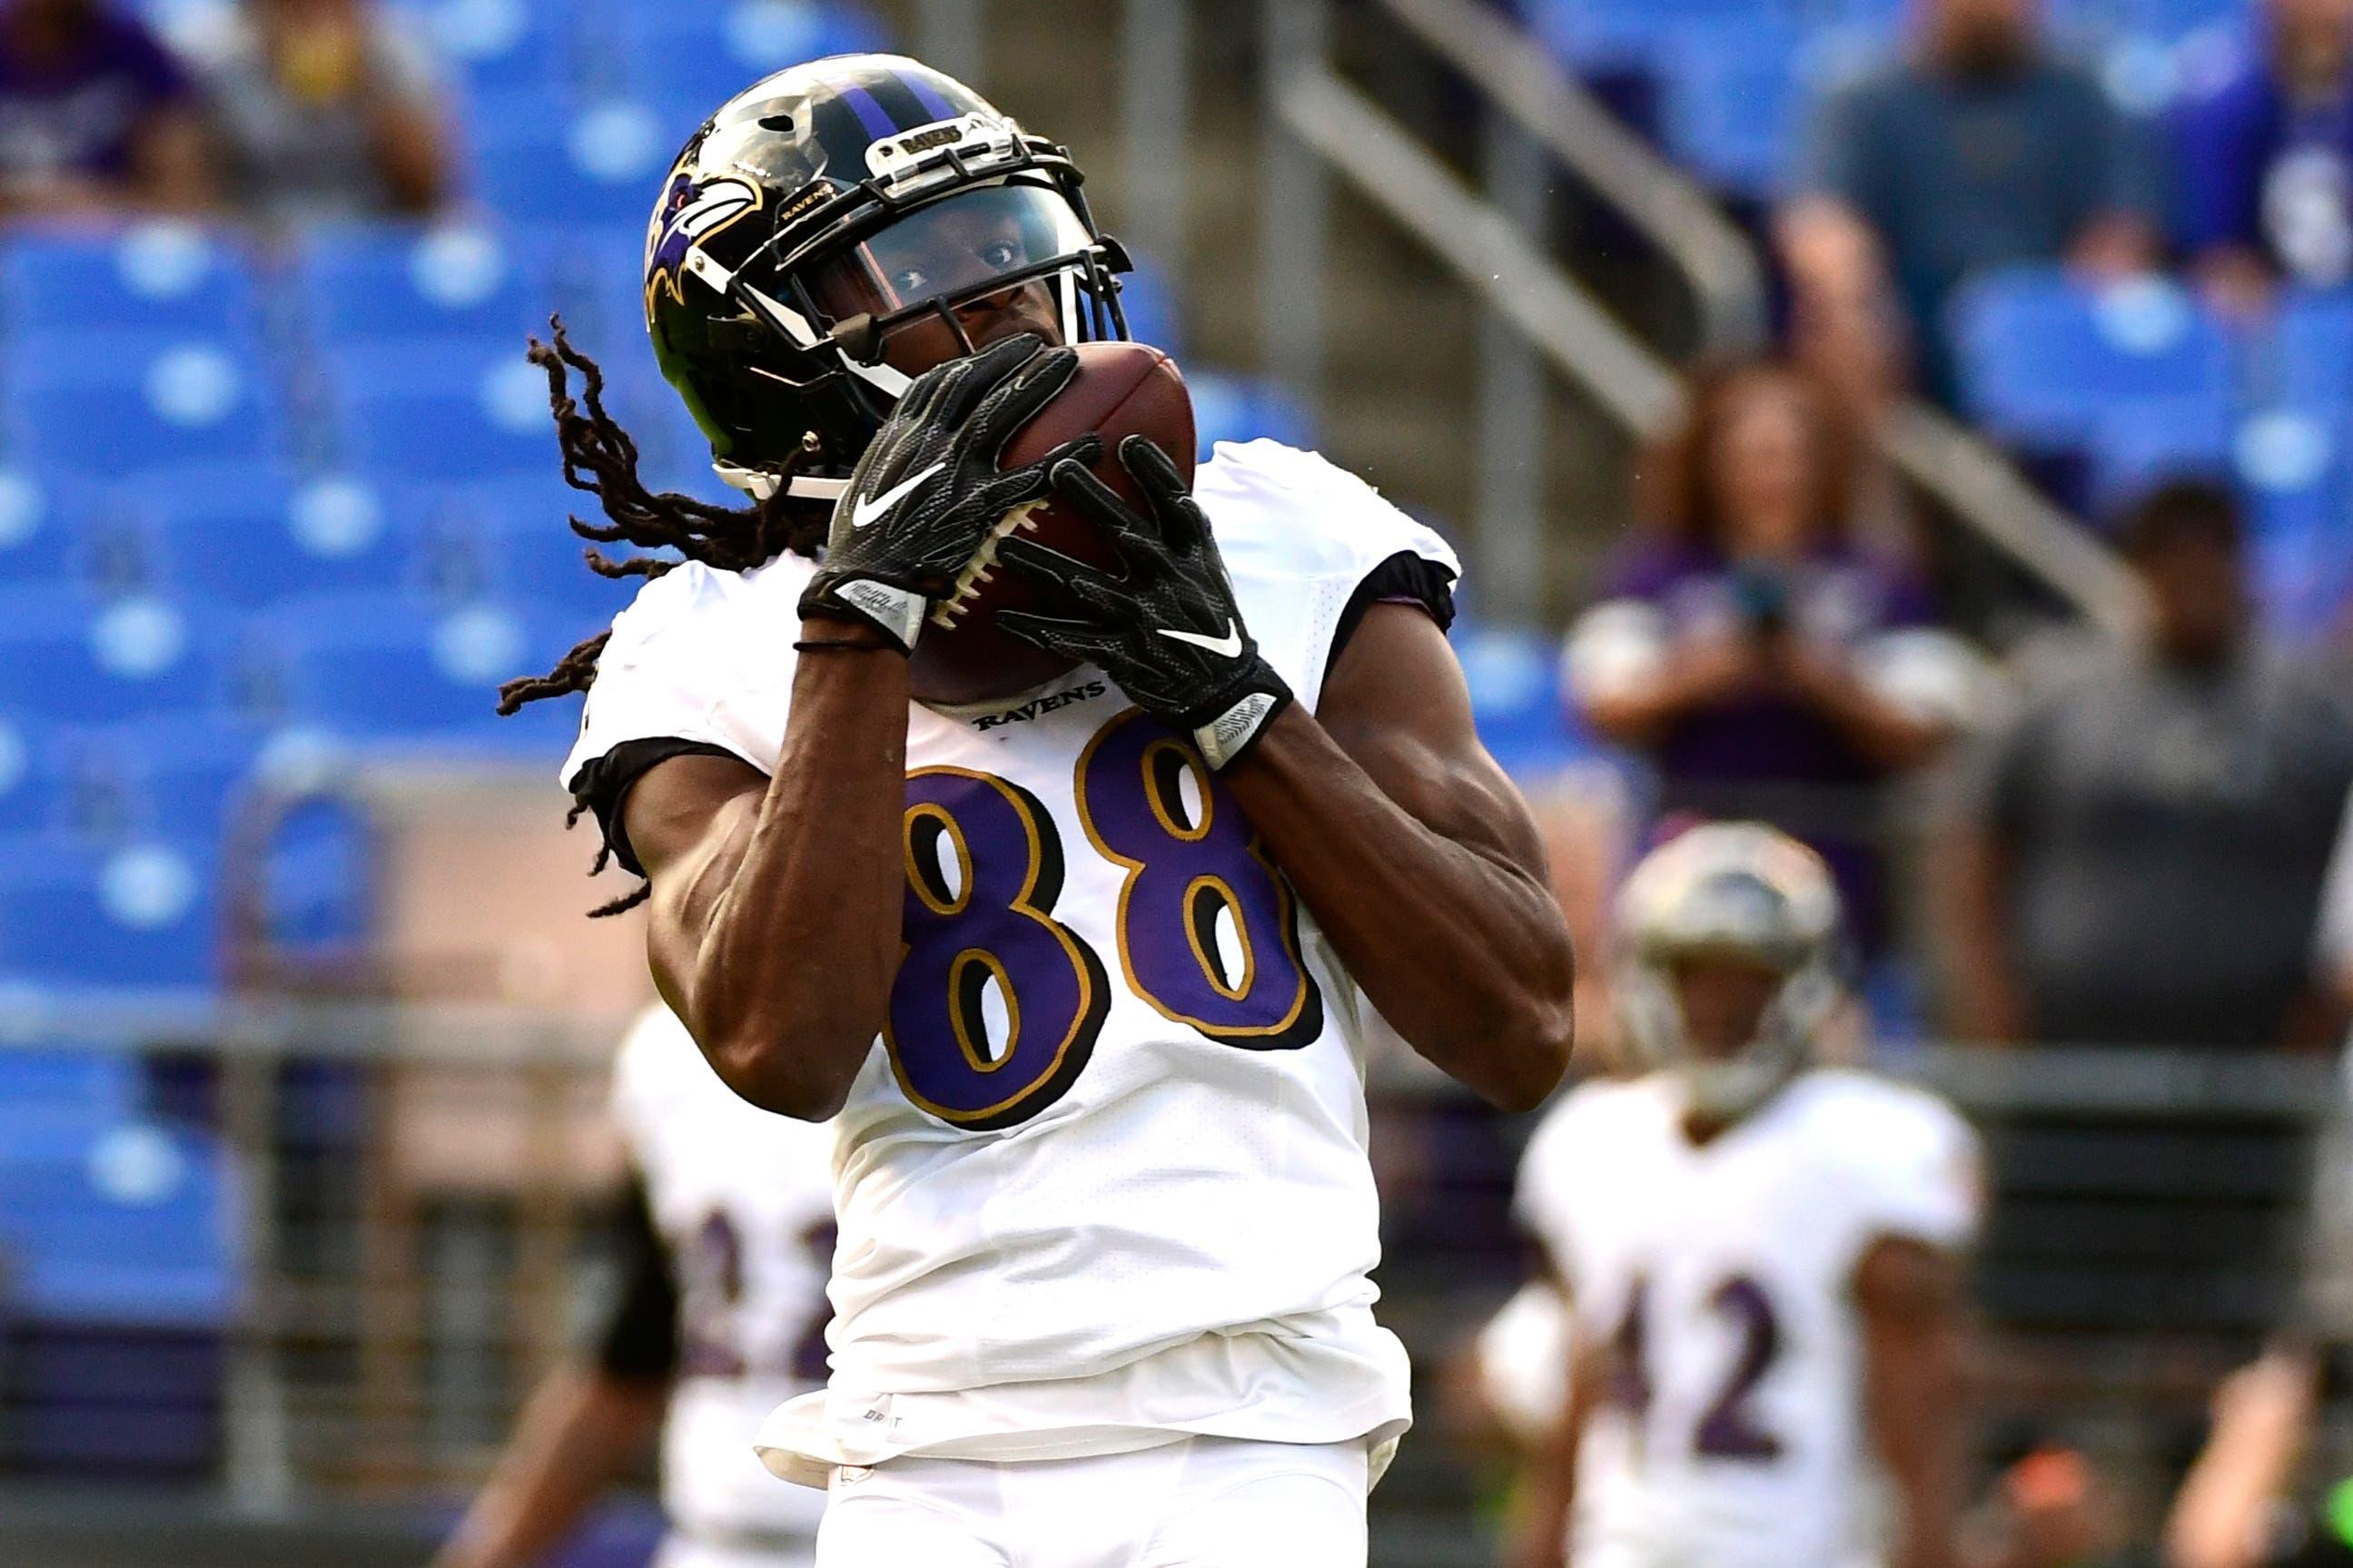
[(1086, 994), (720, 1316), (1762, 1254)]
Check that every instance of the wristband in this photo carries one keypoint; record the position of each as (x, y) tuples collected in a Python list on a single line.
[(1230, 734)]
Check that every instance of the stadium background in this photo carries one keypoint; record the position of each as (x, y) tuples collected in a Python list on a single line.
[(300, 1034)]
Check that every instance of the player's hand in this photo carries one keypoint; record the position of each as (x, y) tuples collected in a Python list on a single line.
[(928, 490), (1168, 631)]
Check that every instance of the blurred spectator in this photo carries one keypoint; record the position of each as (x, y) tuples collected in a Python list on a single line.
[(1770, 666), (95, 116), (1977, 150), (2265, 148), (324, 109), (2143, 851)]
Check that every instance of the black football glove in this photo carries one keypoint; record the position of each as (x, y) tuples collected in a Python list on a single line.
[(927, 491), (1168, 631)]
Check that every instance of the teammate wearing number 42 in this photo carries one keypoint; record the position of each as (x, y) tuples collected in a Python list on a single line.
[(1760, 1254), (1069, 870)]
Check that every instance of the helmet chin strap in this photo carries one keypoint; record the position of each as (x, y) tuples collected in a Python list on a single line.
[(760, 485)]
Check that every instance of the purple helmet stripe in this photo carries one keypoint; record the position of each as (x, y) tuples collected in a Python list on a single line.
[(936, 106), (871, 113)]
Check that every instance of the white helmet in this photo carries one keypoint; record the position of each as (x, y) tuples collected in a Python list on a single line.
[(1733, 891)]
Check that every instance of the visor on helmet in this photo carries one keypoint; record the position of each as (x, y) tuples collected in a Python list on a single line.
[(958, 251)]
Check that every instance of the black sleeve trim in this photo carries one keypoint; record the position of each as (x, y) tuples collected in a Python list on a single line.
[(1406, 578), (638, 1338), (603, 784)]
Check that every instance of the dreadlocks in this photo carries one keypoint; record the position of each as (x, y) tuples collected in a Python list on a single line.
[(601, 458)]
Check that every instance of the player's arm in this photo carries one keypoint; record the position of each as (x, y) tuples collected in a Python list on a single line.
[(587, 1424), (1419, 859), (1417, 855), (774, 930), (1909, 1299)]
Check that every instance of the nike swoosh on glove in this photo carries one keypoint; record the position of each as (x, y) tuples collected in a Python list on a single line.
[(927, 492), (1169, 631)]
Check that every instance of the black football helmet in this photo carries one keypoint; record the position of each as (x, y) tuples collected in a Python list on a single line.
[(825, 207)]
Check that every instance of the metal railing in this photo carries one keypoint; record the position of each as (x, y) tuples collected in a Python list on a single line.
[(1506, 268)]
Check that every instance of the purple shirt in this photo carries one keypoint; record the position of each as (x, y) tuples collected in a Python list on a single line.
[(79, 115), (2258, 170), (1768, 758)]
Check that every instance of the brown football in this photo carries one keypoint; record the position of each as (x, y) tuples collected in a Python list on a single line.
[(1120, 390)]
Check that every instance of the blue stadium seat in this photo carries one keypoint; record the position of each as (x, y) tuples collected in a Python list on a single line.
[(509, 541), (603, 164), (116, 1220), (2294, 466), (386, 668), (154, 282), (444, 412), (209, 400), (48, 1080), (2043, 357), (65, 658), (1237, 408), (2312, 345), (368, 284), (52, 532), (1735, 100), (1516, 699), (1601, 32), (502, 45), (38, 771), (2146, 443), (1151, 307), (253, 537), (141, 915), (706, 53)]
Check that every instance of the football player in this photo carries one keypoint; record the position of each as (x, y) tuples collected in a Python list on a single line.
[(720, 1316), (1762, 1256), (1079, 949)]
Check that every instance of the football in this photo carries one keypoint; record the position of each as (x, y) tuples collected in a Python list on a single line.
[(1120, 390)]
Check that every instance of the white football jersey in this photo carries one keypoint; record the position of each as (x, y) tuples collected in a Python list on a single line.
[(1723, 1276), (1103, 1181), (744, 1203)]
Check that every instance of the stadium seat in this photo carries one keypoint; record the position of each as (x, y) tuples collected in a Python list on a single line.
[(387, 668), (1734, 98), (254, 537), (700, 55), (601, 165), (141, 915), (1236, 408), (52, 1080), (2043, 357), (70, 660), (511, 541), (2312, 349), (1513, 676), (117, 1220), (428, 412), (120, 410), (364, 284), (1150, 306), (503, 45), (2146, 443), (38, 774), (152, 281)]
